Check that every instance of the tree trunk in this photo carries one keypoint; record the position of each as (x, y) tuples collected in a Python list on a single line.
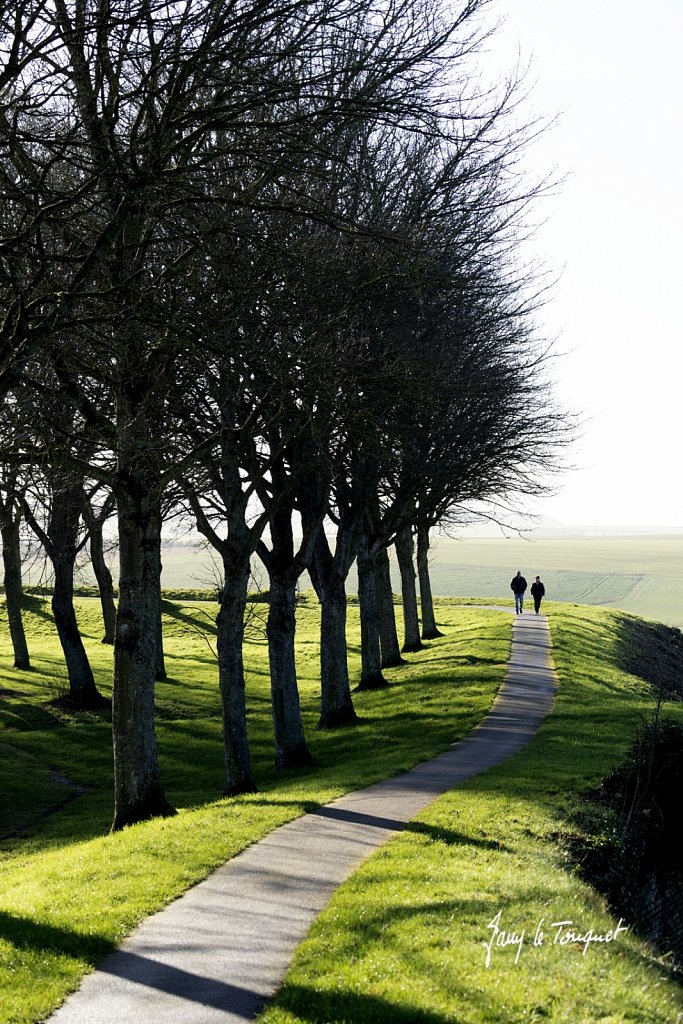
[(230, 622), (291, 750), (138, 793), (336, 703), (104, 580), (285, 566), (63, 536), (11, 557), (83, 692), (388, 635), (411, 622), (328, 575), (429, 628), (371, 664), (235, 551)]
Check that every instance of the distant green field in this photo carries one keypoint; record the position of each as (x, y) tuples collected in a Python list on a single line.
[(643, 575)]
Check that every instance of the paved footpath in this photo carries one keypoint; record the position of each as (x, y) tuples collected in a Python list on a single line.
[(216, 954)]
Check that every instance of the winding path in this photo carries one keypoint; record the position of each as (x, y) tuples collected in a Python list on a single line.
[(216, 955)]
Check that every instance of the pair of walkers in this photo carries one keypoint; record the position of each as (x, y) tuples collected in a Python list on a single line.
[(518, 587)]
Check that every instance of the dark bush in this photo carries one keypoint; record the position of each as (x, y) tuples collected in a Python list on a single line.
[(631, 849)]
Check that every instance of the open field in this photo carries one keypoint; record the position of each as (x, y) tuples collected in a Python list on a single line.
[(642, 575)]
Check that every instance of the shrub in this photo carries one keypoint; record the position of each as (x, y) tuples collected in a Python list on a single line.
[(630, 849)]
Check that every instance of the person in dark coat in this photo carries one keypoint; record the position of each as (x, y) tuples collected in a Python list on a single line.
[(537, 592), (518, 586)]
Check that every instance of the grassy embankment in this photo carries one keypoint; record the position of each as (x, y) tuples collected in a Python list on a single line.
[(70, 891), (403, 941)]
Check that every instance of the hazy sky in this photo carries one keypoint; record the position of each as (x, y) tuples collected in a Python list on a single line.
[(611, 70)]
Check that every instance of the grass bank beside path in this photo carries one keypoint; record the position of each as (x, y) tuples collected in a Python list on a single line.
[(404, 941), (69, 891)]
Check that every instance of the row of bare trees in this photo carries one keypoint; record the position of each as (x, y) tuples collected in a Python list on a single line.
[(259, 263)]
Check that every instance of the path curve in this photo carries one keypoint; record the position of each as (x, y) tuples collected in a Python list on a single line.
[(216, 954)]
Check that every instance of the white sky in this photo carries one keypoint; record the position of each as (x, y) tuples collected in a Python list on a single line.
[(612, 70)]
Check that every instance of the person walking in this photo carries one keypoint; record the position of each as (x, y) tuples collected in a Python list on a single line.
[(518, 586), (537, 592)]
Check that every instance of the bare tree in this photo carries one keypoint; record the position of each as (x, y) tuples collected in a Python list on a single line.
[(131, 135)]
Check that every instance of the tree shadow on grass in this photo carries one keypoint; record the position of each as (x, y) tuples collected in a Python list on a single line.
[(37, 606), (435, 833), (452, 838), (95, 823), (315, 1007), (23, 826), (22, 713), (24, 933), (468, 660), (169, 711), (207, 622)]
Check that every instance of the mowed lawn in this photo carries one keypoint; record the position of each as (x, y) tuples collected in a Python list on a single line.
[(70, 891)]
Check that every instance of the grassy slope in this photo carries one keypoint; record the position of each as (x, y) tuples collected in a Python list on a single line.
[(403, 941), (70, 891)]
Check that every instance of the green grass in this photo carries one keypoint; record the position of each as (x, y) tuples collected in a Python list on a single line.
[(402, 942), (70, 890), (642, 575)]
